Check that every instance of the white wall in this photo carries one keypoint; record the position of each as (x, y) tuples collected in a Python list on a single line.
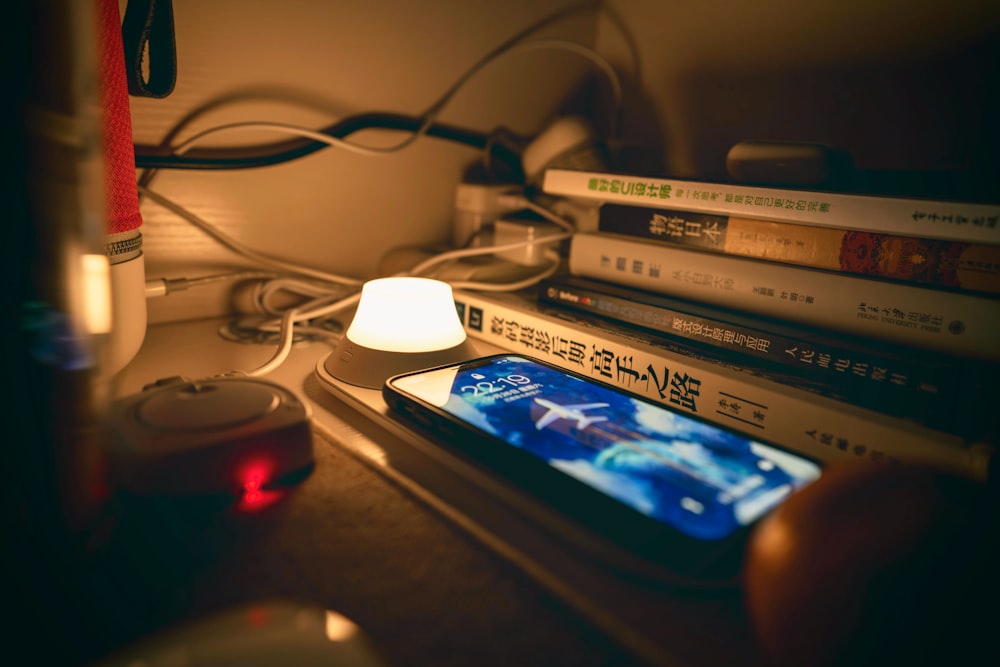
[(312, 62), (899, 83)]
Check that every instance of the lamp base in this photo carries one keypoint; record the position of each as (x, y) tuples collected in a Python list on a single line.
[(366, 367)]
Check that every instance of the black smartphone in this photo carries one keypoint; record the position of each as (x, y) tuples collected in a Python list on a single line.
[(676, 490)]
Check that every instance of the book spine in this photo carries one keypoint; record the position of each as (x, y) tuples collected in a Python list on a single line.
[(964, 325), (801, 421), (949, 264), (924, 392), (949, 221)]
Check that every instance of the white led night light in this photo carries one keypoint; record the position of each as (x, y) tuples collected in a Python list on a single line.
[(401, 324), (406, 315)]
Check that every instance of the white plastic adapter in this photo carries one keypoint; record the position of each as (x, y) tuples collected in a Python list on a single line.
[(476, 206), (512, 229), (569, 143)]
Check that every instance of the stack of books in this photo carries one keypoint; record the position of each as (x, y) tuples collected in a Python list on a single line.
[(835, 324)]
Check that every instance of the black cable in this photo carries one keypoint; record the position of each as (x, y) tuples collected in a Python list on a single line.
[(265, 155)]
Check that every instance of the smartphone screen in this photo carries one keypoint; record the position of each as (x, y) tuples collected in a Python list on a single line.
[(699, 480)]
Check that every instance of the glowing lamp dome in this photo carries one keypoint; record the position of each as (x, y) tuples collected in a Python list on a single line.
[(401, 324)]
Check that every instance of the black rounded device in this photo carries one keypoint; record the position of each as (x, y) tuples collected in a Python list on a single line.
[(777, 164), (222, 435)]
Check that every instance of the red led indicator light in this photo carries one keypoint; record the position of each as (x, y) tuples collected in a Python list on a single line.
[(253, 478)]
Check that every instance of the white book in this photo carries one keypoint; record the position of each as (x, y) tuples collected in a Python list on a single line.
[(948, 220), (965, 325), (800, 420)]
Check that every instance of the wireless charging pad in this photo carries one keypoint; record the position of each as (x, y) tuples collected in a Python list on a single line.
[(224, 435)]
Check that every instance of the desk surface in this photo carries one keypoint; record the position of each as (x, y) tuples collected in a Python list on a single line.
[(433, 567)]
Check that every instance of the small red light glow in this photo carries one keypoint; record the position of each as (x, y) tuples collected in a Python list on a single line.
[(253, 476), (254, 500)]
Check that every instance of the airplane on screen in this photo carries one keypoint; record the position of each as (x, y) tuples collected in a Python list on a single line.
[(572, 412)]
